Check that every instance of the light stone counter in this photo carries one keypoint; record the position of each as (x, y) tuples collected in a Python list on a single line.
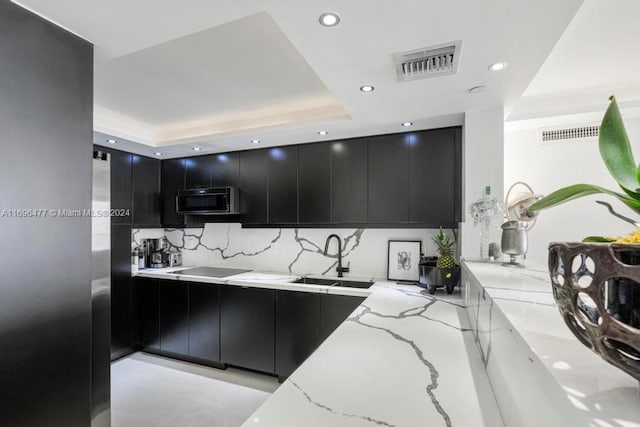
[(541, 374)]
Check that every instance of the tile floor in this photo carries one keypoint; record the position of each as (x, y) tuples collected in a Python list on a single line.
[(152, 391)]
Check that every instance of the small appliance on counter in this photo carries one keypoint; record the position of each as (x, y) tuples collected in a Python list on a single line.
[(156, 254)]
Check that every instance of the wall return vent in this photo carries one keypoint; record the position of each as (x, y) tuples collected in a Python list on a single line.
[(582, 132), (428, 62)]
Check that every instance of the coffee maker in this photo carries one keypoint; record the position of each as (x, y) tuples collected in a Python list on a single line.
[(157, 253)]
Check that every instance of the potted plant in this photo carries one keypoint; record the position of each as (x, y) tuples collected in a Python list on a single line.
[(596, 282), (446, 272)]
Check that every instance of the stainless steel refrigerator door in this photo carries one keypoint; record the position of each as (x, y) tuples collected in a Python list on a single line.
[(101, 293)]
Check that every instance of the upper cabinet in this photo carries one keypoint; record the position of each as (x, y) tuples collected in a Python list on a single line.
[(435, 190), (254, 166), (410, 179), (283, 185), (173, 174), (314, 183), (121, 185), (349, 181), (146, 191), (388, 184)]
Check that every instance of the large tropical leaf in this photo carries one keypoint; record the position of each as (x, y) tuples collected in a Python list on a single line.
[(580, 190), (616, 151)]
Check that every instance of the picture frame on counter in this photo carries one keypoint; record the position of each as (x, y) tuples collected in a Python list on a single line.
[(403, 260)]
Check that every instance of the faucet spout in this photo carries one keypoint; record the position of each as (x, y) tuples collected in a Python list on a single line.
[(340, 269)]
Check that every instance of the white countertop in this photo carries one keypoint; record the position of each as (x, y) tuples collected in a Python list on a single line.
[(403, 358), (603, 394), (260, 279)]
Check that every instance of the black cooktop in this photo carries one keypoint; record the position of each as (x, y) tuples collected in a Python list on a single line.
[(210, 271)]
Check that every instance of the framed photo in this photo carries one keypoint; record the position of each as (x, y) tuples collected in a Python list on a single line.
[(403, 261)]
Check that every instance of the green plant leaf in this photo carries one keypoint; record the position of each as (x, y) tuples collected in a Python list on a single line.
[(598, 239), (580, 190), (615, 149)]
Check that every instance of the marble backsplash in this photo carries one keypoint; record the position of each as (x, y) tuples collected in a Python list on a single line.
[(294, 250)]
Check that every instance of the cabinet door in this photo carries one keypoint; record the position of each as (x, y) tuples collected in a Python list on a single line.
[(297, 329), (349, 181), (147, 297), (314, 183), (174, 316), (225, 170), (121, 291), (283, 185), (146, 192), (198, 171), (388, 162), (433, 178), (120, 164), (172, 181), (204, 321), (253, 186), (334, 309), (247, 327)]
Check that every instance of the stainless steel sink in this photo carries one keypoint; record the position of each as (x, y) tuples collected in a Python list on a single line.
[(312, 281), (334, 282), (354, 284)]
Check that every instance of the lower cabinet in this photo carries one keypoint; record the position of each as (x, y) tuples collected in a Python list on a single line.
[(297, 329), (334, 309), (147, 296), (174, 316), (204, 321), (266, 330), (247, 327)]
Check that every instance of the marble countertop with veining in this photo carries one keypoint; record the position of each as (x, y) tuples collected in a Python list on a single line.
[(602, 393), (403, 358)]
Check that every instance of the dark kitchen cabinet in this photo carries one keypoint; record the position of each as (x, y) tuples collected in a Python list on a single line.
[(204, 321), (297, 329), (120, 164), (147, 298), (173, 172), (349, 181), (283, 185), (225, 170), (314, 183), (388, 178), (174, 316), (146, 192), (121, 291), (334, 309), (198, 171), (435, 177), (247, 327), (254, 166)]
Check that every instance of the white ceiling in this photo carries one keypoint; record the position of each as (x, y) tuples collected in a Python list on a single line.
[(167, 71), (597, 56)]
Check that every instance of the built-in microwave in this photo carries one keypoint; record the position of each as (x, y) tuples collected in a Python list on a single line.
[(208, 201)]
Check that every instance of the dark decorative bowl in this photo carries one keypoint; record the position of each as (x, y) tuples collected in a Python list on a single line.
[(597, 289)]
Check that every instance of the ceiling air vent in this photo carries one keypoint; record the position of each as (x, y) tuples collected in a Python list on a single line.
[(428, 62), (583, 132)]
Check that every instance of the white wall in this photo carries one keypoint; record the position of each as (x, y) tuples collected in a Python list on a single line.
[(483, 165), (547, 167)]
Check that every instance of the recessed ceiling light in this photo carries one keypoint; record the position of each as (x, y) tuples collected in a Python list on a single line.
[(197, 149), (255, 141), (367, 88), (323, 132), (407, 124), (157, 153), (476, 89), (112, 141), (498, 66), (329, 19)]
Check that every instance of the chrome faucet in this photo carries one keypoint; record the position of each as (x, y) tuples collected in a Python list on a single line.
[(340, 269)]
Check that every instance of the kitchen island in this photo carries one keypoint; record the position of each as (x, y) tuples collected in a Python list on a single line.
[(403, 358)]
